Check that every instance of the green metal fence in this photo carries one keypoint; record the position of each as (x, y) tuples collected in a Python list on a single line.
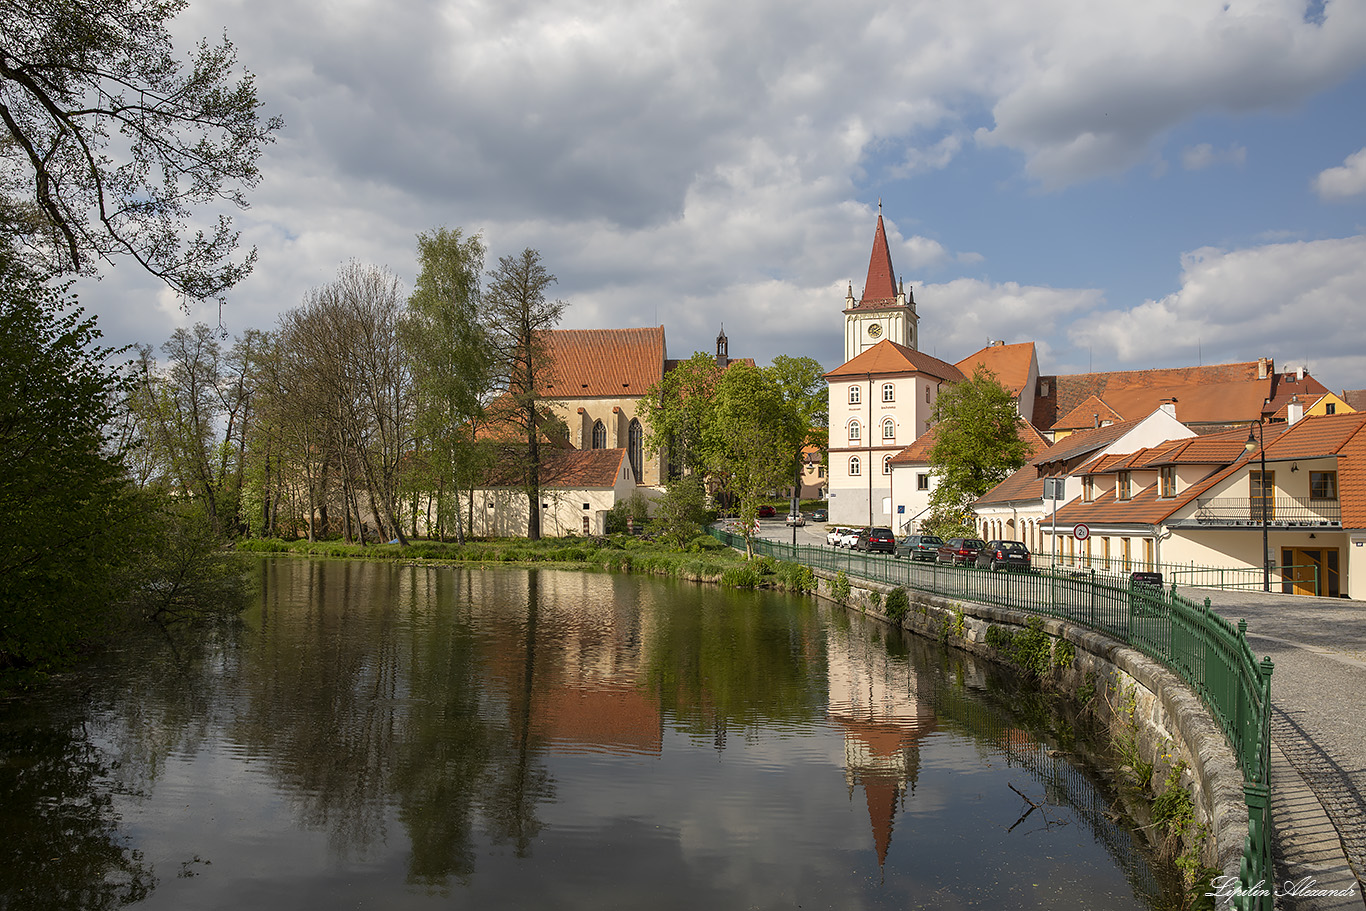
[(1204, 649)]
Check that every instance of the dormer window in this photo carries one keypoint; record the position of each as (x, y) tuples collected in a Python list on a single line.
[(1167, 480), (1124, 486)]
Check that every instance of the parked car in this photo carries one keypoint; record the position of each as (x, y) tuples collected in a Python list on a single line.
[(767, 512), (849, 538), (833, 535), (820, 515), (796, 518), (876, 540), (1003, 555), (959, 550), (919, 547)]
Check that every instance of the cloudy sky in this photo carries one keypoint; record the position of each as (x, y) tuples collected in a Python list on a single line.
[(1127, 185)]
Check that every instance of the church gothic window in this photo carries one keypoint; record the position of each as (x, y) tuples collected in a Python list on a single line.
[(635, 448), (599, 435)]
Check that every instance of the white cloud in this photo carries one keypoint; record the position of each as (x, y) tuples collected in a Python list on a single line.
[(1204, 155), (699, 162), (1293, 301), (963, 315), (1347, 180)]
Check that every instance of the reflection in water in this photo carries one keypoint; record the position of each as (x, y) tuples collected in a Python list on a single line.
[(379, 736)]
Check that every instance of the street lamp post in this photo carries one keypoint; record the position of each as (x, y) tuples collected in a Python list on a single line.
[(1258, 442)]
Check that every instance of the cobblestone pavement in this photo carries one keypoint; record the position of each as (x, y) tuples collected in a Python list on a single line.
[(1318, 697)]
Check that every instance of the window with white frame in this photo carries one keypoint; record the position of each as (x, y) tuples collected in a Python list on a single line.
[(887, 464), (889, 429), (855, 431), (855, 467), (855, 395), (888, 392)]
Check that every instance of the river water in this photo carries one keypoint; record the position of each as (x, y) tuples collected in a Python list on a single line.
[(397, 737)]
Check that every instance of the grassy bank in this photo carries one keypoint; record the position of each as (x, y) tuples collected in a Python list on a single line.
[(705, 560)]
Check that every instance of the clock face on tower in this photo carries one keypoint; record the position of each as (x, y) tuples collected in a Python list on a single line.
[(875, 330)]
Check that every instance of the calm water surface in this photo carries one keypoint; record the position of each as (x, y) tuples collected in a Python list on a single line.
[(386, 737)]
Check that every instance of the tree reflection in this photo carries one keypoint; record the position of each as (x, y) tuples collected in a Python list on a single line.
[(739, 657), (60, 831)]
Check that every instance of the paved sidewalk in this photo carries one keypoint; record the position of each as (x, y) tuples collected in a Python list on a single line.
[(1318, 725)]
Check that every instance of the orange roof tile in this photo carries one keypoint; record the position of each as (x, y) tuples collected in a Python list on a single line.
[(889, 358), (1222, 393), (1092, 412), (1010, 363), (589, 363), (1085, 441), (918, 453)]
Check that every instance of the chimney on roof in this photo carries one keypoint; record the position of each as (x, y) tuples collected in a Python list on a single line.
[(1294, 410), (1301, 372), (1265, 367), (1095, 419), (1168, 406)]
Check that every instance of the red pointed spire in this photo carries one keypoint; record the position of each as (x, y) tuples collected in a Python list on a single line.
[(880, 288)]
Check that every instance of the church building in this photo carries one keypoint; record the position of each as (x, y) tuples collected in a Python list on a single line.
[(882, 397)]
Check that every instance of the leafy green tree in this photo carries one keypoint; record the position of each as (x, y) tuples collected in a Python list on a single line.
[(678, 408), (803, 386), (119, 141), (681, 513), (750, 437), (977, 446), (518, 317), (452, 365), (65, 504)]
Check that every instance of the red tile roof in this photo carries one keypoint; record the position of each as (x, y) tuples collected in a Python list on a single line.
[(592, 363), (1217, 394), (1091, 413), (888, 358), (1010, 363)]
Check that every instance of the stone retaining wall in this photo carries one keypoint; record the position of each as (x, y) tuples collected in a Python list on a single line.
[(1169, 721)]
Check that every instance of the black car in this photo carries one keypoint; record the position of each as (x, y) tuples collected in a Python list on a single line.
[(876, 539), (959, 550), (1003, 555), (919, 547)]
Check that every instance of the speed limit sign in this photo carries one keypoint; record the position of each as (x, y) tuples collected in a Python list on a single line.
[(1081, 532)]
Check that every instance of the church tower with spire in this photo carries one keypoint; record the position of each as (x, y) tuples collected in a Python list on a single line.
[(885, 311)]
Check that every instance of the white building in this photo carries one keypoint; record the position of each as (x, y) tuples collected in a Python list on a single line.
[(882, 397)]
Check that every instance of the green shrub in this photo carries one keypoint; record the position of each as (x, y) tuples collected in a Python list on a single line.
[(898, 603), (840, 588), (743, 576)]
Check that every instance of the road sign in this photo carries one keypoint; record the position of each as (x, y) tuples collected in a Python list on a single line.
[(1081, 532)]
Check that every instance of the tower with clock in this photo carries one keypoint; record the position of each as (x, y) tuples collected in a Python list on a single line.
[(886, 310)]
